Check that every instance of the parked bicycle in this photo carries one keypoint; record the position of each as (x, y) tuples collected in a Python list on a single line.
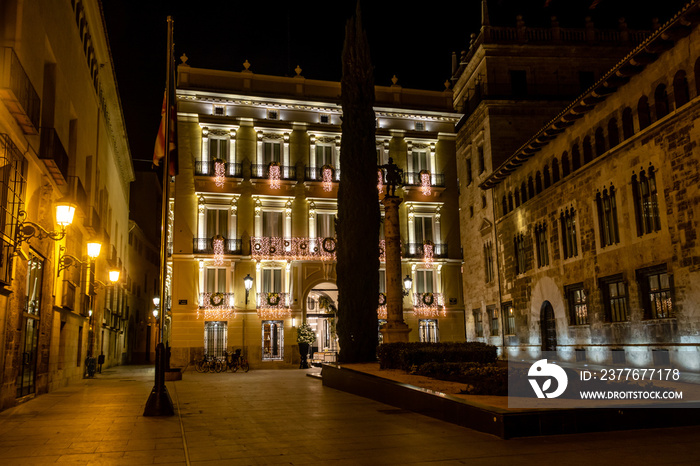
[(235, 361), (209, 364)]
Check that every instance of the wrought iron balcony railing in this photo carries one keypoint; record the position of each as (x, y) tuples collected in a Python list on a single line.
[(414, 179), (316, 174), (54, 155), (277, 248), (428, 305), (262, 171), (18, 93), (273, 305), (215, 300), (424, 250), (206, 168), (206, 246)]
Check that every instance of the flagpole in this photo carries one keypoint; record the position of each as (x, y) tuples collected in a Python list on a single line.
[(159, 402)]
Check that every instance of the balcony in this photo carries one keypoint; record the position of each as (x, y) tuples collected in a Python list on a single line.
[(316, 174), (68, 299), (54, 155), (425, 251), (437, 180), (231, 170), (216, 306), (262, 171), (206, 246), (17, 92), (273, 305), (93, 223), (79, 194), (428, 305), (277, 248)]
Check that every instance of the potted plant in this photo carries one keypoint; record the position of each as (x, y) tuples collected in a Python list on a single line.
[(305, 336)]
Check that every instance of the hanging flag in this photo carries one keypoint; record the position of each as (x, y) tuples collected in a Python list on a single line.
[(158, 151)]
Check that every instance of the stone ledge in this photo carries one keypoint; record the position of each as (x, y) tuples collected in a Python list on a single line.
[(501, 422)]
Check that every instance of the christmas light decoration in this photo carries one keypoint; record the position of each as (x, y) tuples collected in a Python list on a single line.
[(425, 187), (216, 306), (273, 306), (380, 181), (327, 174), (274, 175), (428, 305), (219, 173), (428, 254), (218, 243)]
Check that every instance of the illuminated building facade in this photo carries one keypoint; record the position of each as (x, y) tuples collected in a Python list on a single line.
[(62, 138), (579, 235), (256, 196)]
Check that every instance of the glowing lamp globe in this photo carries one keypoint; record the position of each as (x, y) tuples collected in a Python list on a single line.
[(64, 214), (93, 249), (407, 282), (114, 275), (248, 282), (156, 301)]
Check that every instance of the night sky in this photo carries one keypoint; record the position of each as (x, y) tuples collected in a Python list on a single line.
[(413, 40)]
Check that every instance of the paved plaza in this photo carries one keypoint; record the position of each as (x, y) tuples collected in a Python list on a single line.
[(284, 417)]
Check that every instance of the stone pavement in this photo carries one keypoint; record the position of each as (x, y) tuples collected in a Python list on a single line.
[(284, 417)]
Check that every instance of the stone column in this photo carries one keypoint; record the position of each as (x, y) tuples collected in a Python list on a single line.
[(395, 329)]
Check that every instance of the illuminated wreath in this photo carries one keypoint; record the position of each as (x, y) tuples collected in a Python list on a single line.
[(217, 299), (315, 248), (273, 299), (428, 299), (381, 251), (273, 164), (286, 243), (273, 249), (382, 299), (328, 167), (257, 247), (328, 245), (302, 246)]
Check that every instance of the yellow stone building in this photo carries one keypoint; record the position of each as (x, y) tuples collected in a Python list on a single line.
[(62, 138), (256, 197)]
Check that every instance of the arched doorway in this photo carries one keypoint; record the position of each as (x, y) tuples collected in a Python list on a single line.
[(321, 306), (548, 326)]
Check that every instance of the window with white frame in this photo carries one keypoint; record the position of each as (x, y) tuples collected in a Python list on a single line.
[(423, 228), (272, 151), (424, 281), (272, 224), (420, 160), (272, 340), (215, 279), (325, 225), (218, 148), (217, 222), (272, 280), (324, 155), (428, 330)]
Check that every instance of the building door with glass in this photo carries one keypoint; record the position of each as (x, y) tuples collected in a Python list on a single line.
[(272, 340), (26, 378), (215, 336)]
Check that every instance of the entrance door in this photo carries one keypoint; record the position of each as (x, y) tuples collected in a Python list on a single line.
[(549, 327), (26, 378)]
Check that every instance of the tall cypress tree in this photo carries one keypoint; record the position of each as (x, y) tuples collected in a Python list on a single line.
[(358, 206)]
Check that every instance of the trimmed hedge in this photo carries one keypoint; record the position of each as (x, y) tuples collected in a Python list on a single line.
[(481, 379), (406, 356)]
